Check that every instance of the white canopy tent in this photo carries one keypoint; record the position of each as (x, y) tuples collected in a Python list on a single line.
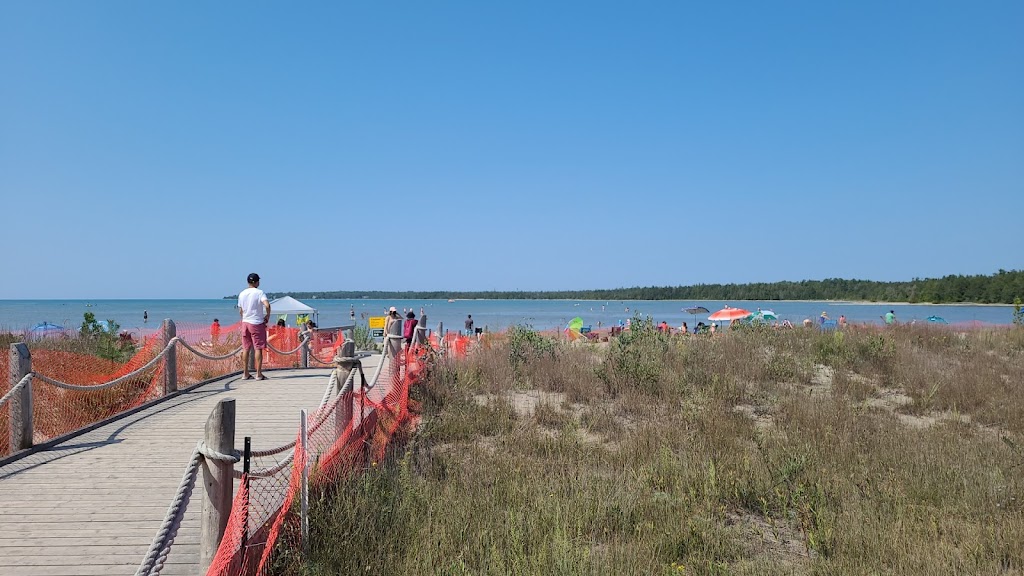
[(288, 305)]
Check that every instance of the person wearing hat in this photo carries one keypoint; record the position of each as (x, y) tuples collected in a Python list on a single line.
[(390, 319), (410, 327), (254, 308), (823, 318)]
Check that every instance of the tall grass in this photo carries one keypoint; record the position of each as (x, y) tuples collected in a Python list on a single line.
[(894, 451)]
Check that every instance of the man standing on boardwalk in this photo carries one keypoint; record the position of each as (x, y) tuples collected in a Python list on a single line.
[(254, 308)]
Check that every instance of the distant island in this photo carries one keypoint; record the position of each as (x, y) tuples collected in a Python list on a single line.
[(1003, 287)]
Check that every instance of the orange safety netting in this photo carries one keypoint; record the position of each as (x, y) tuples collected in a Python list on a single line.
[(345, 435), (78, 362)]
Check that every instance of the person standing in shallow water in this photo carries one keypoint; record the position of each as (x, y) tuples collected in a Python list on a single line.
[(145, 316), (890, 317), (469, 324)]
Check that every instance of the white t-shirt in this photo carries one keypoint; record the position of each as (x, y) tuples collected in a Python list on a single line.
[(251, 302)]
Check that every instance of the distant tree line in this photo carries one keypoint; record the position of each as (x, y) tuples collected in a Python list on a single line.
[(999, 288)]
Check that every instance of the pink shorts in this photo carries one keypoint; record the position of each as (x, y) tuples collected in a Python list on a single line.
[(254, 335)]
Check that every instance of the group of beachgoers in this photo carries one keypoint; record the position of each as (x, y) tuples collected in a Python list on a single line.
[(824, 322)]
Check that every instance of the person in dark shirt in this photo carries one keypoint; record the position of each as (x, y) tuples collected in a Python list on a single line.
[(469, 324), (410, 327)]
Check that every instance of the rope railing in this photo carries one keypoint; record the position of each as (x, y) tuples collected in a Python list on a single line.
[(302, 341), (158, 551), (116, 381), (28, 377), (266, 472), (328, 407), (206, 356), (160, 548)]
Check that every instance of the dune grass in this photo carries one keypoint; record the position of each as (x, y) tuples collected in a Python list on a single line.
[(894, 451)]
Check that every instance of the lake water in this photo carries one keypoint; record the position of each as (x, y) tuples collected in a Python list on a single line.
[(19, 315)]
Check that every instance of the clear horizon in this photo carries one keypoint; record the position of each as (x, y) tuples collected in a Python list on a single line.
[(167, 150)]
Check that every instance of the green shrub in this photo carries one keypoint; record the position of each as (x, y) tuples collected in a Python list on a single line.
[(636, 359), (526, 345)]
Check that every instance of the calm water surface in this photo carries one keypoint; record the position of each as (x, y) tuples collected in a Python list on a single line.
[(19, 315)]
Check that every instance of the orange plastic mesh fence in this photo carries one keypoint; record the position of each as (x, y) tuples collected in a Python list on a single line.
[(58, 411), (344, 436)]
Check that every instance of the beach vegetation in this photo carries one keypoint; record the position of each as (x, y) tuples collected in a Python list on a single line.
[(760, 451), (106, 340), (363, 340)]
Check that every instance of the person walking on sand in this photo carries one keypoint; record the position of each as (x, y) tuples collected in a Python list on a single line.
[(254, 308), (215, 331)]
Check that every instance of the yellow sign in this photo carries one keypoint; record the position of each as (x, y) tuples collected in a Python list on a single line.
[(376, 321)]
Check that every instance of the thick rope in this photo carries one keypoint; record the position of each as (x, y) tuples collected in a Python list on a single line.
[(302, 340), (266, 472), (211, 454), (116, 381), (18, 386), (272, 451), (161, 546), (324, 414), (202, 354), (380, 367), (319, 361)]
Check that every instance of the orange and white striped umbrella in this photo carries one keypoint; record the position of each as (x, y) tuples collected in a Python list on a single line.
[(729, 314)]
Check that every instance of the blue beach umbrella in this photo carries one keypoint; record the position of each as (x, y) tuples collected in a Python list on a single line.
[(46, 328)]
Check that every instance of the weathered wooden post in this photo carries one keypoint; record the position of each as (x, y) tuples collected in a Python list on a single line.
[(305, 349), (171, 360), (21, 402), (217, 480), (420, 333), (346, 362)]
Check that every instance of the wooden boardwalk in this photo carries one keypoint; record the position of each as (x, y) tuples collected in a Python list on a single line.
[(92, 505)]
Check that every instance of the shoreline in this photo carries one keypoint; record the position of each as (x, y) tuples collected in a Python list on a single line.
[(846, 302)]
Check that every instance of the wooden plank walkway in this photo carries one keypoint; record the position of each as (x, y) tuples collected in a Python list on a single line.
[(92, 505)]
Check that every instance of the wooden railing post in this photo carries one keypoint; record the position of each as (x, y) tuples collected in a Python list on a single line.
[(419, 335), (343, 411), (217, 480), (171, 360), (305, 350), (21, 402)]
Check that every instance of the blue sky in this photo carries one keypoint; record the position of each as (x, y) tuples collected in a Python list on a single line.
[(165, 150)]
